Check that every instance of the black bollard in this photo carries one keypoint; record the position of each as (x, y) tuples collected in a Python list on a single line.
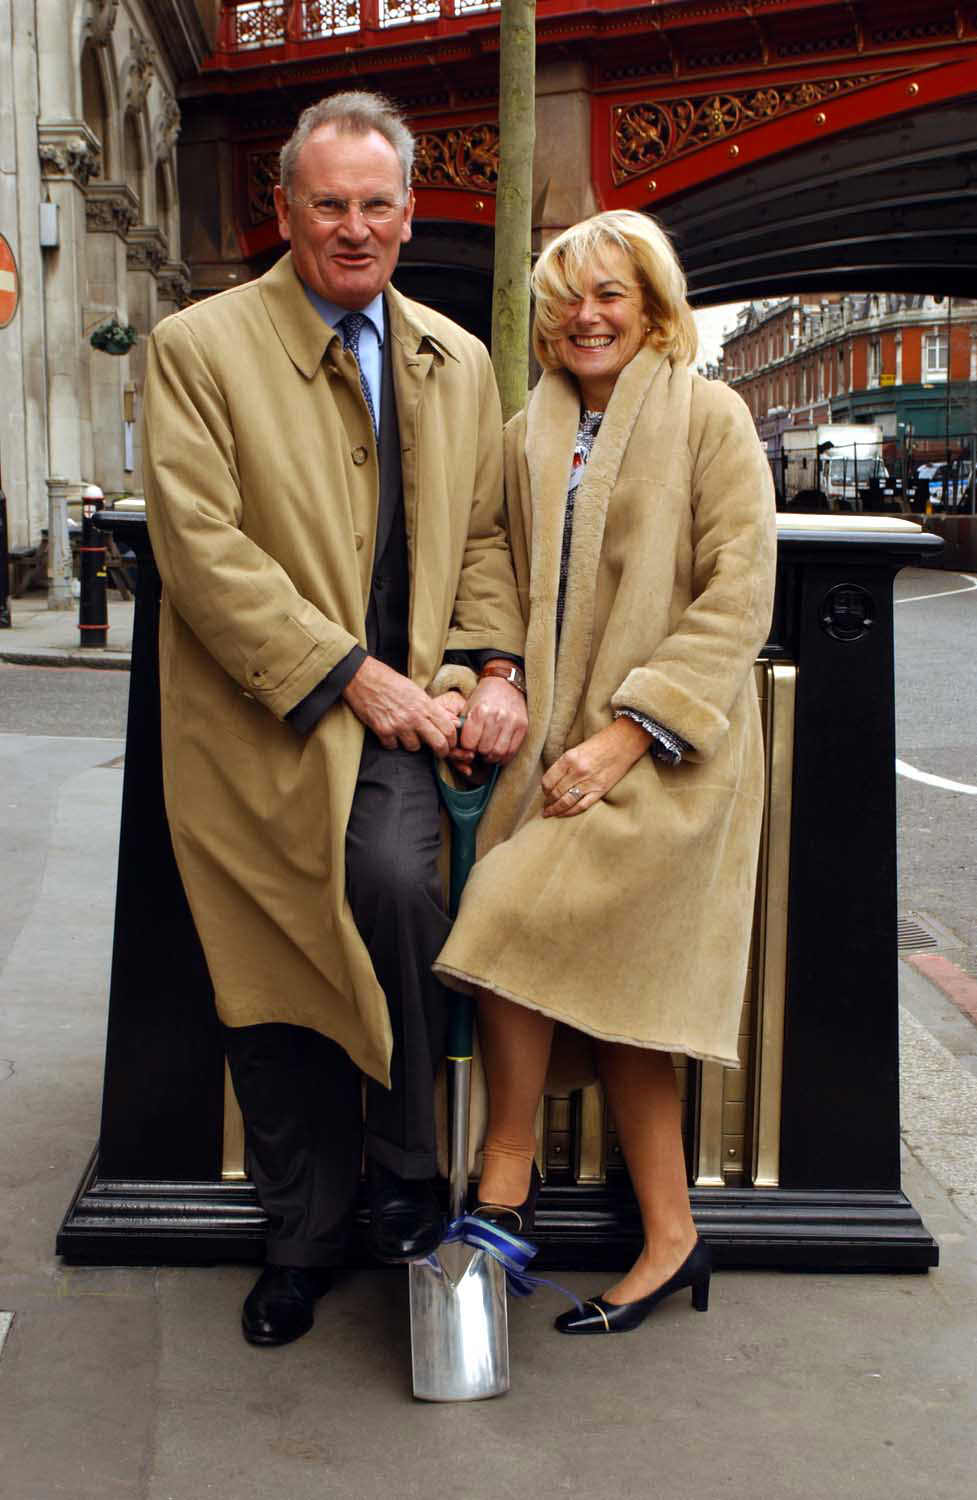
[(5, 620), (93, 612)]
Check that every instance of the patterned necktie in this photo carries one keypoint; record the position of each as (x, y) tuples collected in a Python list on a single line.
[(351, 326)]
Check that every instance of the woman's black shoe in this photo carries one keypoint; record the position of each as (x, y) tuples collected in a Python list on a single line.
[(600, 1316), (519, 1220)]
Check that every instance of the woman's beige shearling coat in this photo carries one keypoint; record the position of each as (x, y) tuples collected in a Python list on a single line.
[(631, 921), (261, 492)]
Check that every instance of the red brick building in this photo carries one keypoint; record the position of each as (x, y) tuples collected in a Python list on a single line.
[(905, 362)]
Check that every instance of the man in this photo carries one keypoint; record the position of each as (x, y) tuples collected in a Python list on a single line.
[(324, 500)]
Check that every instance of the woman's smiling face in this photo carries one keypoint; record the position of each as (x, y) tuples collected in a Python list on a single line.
[(603, 330)]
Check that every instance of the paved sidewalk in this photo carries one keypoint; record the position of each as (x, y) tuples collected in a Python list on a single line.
[(136, 1383), (51, 638)]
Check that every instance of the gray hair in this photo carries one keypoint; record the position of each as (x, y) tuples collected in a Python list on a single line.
[(355, 112)]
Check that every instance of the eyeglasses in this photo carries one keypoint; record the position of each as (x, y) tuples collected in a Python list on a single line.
[(328, 210)]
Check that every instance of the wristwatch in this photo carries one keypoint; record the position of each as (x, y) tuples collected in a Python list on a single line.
[(508, 671)]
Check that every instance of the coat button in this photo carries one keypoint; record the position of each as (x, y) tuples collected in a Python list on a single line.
[(379, 583), (357, 540), (360, 455)]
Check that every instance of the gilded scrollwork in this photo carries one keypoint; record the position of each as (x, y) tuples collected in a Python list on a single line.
[(653, 132), (262, 176), (466, 156)]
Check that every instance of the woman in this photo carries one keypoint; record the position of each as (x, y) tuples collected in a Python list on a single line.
[(615, 895)]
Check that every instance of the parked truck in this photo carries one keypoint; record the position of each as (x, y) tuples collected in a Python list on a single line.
[(835, 466)]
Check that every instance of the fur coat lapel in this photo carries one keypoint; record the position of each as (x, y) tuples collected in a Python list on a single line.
[(551, 425)]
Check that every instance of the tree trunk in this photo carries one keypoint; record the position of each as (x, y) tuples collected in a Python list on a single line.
[(514, 203)]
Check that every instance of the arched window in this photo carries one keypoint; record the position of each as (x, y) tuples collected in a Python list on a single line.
[(132, 145), (163, 204), (93, 103)]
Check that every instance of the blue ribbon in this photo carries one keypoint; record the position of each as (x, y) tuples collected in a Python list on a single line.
[(513, 1253)]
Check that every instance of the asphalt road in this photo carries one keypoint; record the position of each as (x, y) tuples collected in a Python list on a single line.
[(936, 733), (71, 701)]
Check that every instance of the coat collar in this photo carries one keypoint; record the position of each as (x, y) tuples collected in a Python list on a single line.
[(306, 336), (413, 327), (551, 425)]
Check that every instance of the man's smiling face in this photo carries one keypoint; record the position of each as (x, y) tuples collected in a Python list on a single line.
[(351, 260)]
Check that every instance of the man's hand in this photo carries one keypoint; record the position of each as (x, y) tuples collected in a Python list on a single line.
[(583, 775), (398, 711), (457, 705), (496, 721)]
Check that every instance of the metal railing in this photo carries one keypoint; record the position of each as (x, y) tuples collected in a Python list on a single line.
[(251, 25)]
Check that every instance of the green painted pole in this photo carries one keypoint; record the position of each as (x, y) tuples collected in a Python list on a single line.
[(514, 203)]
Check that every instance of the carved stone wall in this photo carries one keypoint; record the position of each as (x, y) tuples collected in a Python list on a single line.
[(118, 251)]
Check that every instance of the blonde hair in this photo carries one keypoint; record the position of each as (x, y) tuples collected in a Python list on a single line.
[(561, 270)]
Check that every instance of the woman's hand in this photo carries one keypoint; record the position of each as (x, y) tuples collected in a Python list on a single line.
[(583, 775)]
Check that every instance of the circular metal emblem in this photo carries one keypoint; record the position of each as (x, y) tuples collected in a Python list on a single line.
[(847, 612), (9, 284)]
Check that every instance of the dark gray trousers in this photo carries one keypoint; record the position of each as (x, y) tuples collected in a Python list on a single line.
[(300, 1094)]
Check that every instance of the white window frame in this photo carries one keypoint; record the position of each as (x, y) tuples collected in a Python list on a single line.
[(935, 343)]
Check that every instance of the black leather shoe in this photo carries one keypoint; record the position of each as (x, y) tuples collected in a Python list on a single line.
[(406, 1222), (519, 1220), (601, 1316), (281, 1305)]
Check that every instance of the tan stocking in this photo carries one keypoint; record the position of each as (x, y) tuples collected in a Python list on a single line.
[(515, 1044), (643, 1098)]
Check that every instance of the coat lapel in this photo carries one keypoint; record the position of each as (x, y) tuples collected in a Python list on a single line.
[(302, 331), (550, 438), (551, 425)]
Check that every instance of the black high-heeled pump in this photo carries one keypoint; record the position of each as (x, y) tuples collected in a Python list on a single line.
[(600, 1316), (518, 1220)]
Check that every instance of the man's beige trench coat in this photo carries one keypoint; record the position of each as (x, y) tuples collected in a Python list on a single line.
[(631, 921), (261, 492)]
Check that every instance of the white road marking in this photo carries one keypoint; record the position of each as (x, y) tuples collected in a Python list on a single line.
[(5, 1321), (943, 593), (902, 769)]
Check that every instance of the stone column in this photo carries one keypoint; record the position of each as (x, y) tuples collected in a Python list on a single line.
[(23, 405), (69, 155), (111, 211), (60, 594), (562, 187), (69, 159), (146, 253), (172, 288)]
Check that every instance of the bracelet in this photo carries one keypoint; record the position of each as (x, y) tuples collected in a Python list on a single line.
[(508, 672)]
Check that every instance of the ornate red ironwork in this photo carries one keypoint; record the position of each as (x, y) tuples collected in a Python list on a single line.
[(682, 91), (648, 134)]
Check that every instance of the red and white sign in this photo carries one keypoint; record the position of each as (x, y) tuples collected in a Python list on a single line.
[(9, 284)]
